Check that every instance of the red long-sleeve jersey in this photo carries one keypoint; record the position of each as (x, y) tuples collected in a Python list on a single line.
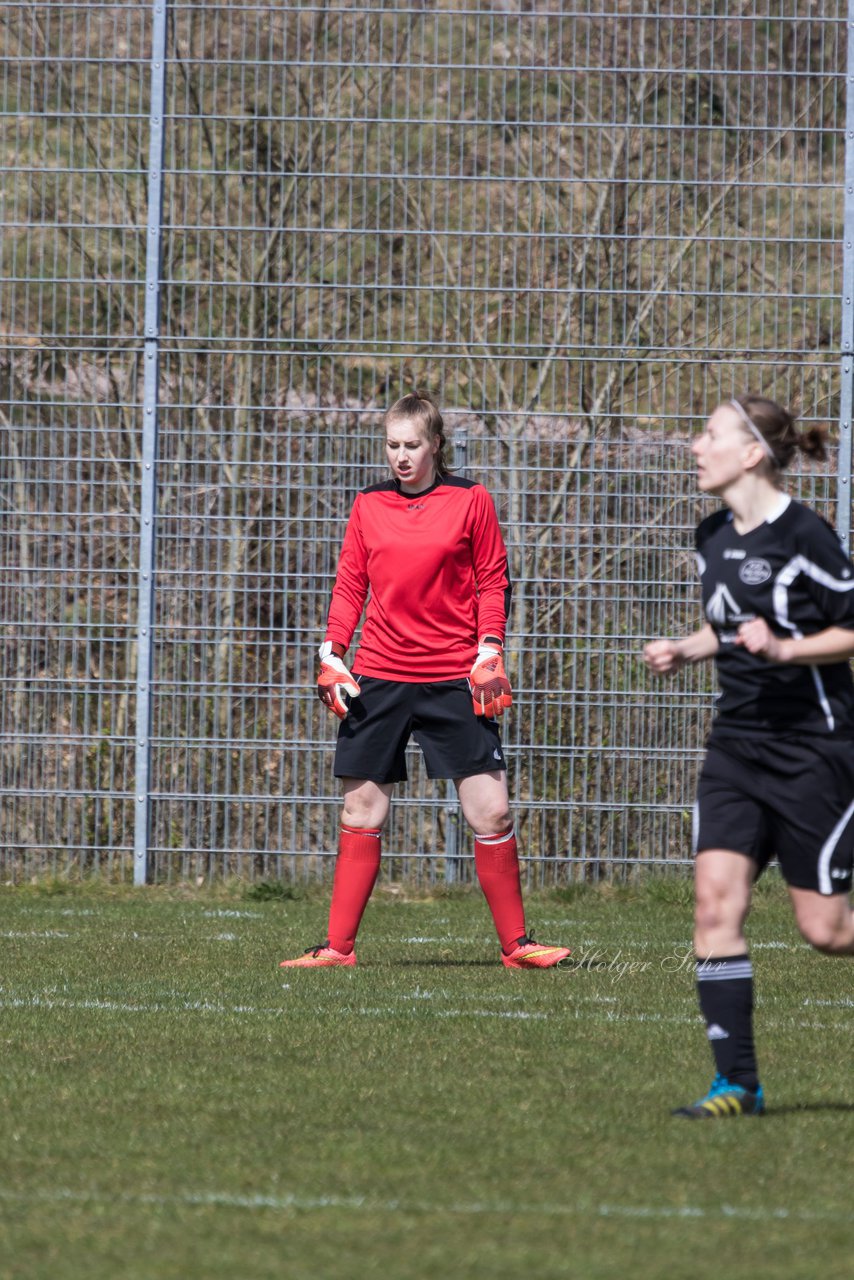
[(435, 565)]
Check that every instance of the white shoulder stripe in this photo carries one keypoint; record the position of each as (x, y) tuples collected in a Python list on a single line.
[(800, 564), (784, 579), (780, 598)]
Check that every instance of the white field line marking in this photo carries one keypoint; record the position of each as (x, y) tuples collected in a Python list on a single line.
[(58, 911), (47, 909), (722, 1211), (421, 994), (491, 1013), (117, 1006), (494, 995), (606, 1016), (229, 914), (418, 940), (686, 944), (367, 1204), (181, 1004), (438, 940), (423, 939), (208, 912), (457, 1013), (126, 935), (50, 1003), (32, 933), (579, 948)]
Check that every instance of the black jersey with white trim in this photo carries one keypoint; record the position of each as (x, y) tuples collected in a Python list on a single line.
[(791, 571)]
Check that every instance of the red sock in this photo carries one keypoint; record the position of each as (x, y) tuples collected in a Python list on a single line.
[(497, 865), (355, 875)]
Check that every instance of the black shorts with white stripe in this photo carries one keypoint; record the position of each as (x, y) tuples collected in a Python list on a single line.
[(789, 797), (438, 714)]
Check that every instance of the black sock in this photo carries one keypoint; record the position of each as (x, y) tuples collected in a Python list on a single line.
[(725, 991)]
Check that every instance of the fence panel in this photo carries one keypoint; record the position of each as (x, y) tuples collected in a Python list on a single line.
[(73, 130), (579, 230)]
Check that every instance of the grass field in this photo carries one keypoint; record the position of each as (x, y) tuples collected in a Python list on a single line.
[(174, 1107)]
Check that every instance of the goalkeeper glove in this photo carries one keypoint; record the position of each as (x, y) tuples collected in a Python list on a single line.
[(334, 679), (490, 688)]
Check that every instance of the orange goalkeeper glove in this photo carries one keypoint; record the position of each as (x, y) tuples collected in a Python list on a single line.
[(490, 688), (334, 680)]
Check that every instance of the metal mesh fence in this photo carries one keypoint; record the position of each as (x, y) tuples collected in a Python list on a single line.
[(578, 229)]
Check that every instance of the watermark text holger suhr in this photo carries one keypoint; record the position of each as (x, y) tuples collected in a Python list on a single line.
[(619, 965)]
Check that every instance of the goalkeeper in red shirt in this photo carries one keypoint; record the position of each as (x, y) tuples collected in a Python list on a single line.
[(425, 550)]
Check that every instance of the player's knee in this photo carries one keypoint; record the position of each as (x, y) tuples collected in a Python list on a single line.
[(819, 938), (710, 909), (827, 936), (493, 822), (362, 815)]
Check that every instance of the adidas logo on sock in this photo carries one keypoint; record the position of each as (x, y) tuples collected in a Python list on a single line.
[(715, 1032)]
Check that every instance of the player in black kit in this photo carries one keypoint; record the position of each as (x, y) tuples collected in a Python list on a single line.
[(778, 776)]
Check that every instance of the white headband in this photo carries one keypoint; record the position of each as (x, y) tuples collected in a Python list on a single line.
[(753, 429)]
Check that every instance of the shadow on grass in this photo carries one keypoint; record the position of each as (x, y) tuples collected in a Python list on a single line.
[(796, 1107), (450, 963)]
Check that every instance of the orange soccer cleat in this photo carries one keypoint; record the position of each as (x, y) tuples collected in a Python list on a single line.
[(528, 954), (320, 957)]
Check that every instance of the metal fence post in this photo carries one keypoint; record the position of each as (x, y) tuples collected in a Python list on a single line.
[(453, 825), (148, 493), (846, 392)]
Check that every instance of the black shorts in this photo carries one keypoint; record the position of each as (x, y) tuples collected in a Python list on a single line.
[(440, 716), (789, 796)]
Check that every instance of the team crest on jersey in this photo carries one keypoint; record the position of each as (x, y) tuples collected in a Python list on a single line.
[(755, 571)]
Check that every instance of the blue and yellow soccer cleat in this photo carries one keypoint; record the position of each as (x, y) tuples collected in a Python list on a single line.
[(725, 1099)]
